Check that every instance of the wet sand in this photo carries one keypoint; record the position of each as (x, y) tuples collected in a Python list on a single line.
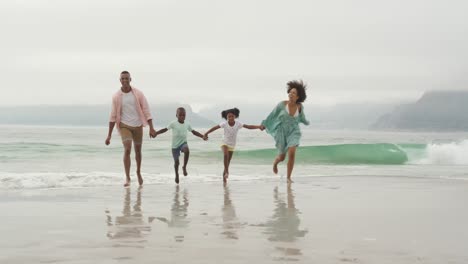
[(314, 220)]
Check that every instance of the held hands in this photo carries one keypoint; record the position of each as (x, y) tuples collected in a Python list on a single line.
[(205, 137), (153, 133), (262, 127)]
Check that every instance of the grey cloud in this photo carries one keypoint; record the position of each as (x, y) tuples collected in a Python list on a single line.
[(63, 51)]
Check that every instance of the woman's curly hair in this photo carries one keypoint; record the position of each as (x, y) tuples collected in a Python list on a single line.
[(300, 87)]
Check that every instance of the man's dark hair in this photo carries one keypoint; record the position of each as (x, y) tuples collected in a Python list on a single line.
[(124, 72), (300, 88), (234, 111)]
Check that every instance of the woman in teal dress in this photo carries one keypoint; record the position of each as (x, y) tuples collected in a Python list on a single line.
[(283, 124)]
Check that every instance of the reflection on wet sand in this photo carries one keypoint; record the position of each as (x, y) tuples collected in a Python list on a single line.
[(129, 229), (178, 213), (230, 221), (284, 226)]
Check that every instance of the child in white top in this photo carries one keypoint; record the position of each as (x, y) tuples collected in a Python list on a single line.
[(231, 126)]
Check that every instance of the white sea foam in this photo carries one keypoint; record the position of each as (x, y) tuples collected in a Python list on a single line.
[(455, 153), (91, 179)]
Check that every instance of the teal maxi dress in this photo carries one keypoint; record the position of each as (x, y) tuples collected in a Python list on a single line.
[(284, 128)]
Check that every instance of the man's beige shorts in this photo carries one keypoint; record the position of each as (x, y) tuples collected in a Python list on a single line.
[(131, 133)]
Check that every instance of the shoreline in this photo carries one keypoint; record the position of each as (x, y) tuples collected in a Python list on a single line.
[(325, 219)]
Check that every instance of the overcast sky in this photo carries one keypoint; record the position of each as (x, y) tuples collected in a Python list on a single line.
[(205, 52)]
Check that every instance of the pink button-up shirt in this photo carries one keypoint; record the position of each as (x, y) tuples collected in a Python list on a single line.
[(142, 107)]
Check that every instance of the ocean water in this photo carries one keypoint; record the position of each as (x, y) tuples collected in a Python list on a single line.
[(76, 157)]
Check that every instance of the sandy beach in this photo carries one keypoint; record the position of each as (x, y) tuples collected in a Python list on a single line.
[(315, 220)]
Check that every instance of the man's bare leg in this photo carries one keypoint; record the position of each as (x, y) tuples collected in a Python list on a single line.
[(126, 160), (137, 148)]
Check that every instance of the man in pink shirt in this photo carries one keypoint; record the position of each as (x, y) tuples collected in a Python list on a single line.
[(130, 112)]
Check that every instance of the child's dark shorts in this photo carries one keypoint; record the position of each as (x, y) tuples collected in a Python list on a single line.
[(176, 151)]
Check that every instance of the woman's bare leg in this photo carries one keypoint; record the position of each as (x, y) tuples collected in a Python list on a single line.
[(291, 159), (278, 159)]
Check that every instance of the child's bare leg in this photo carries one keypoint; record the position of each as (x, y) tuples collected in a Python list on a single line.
[(186, 158), (126, 160), (291, 159), (229, 162), (137, 148), (226, 162), (278, 159), (176, 168)]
